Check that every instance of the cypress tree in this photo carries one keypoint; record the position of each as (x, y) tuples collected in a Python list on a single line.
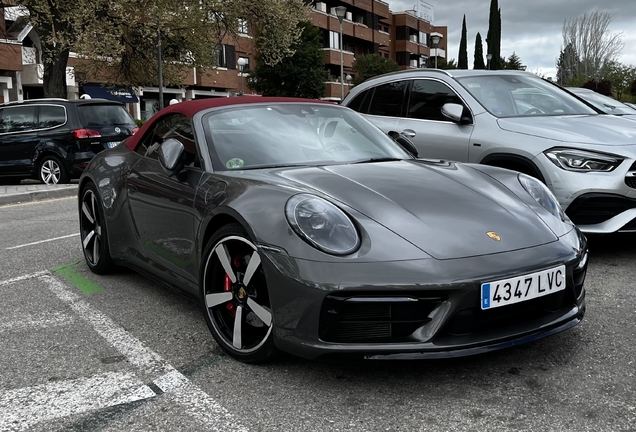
[(493, 38), (463, 48), (479, 53)]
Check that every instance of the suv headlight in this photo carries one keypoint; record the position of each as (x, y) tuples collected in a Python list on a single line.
[(322, 224), (542, 195), (582, 161)]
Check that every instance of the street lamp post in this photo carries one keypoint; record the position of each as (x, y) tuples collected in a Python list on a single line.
[(341, 11), (488, 58), (241, 62), (349, 78), (160, 66), (435, 39)]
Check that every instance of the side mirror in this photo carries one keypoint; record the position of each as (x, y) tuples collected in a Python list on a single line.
[(171, 156), (453, 111), (404, 142)]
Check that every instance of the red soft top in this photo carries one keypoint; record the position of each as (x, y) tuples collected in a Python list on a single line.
[(190, 108)]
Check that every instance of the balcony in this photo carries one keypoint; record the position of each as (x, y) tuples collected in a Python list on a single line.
[(438, 52), (32, 74), (381, 38), (407, 46), (332, 56), (332, 90)]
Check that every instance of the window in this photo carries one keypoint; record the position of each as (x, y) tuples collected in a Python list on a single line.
[(242, 26), (18, 119), (361, 102), (423, 38), (334, 40), (51, 116), (388, 99), (219, 56), (225, 56), (175, 126), (428, 97), (104, 115)]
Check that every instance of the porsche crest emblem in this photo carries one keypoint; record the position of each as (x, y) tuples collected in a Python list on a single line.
[(242, 293), (493, 235)]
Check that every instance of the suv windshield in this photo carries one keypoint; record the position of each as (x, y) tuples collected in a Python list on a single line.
[(522, 95), (104, 115), (276, 135)]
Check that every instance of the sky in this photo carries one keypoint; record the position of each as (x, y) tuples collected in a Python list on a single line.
[(530, 28)]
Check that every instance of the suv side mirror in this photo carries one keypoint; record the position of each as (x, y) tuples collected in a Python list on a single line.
[(454, 112), (171, 156)]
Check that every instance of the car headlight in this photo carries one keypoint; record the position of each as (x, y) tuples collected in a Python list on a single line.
[(322, 224), (583, 161), (542, 195)]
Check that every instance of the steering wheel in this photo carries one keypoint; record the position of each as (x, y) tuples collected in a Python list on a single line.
[(534, 110)]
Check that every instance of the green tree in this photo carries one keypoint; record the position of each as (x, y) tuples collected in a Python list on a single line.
[(302, 74), (513, 62), (632, 90), (621, 76), (121, 36), (493, 38), (463, 48), (369, 65), (442, 63), (567, 65), (479, 54)]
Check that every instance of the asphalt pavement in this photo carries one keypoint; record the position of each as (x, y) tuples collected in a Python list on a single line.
[(82, 352)]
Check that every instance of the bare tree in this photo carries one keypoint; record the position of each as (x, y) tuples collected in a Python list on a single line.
[(589, 36)]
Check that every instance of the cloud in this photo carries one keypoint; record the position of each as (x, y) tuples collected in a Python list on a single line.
[(532, 29)]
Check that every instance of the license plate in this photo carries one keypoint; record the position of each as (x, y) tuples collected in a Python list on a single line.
[(113, 144), (514, 290)]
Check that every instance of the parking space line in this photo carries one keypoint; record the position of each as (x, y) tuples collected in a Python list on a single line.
[(29, 321), (23, 408), (21, 278), (41, 241), (172, 382)]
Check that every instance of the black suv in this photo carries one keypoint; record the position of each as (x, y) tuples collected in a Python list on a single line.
[(54, 139)]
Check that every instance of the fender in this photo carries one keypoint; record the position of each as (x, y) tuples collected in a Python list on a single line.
[(512, 160)]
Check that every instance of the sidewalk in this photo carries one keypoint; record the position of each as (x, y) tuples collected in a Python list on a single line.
[(30, 191)]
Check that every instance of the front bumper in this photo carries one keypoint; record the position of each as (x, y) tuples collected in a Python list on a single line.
[(599, 203), (419, 308)]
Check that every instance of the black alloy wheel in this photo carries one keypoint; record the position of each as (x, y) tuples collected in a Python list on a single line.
[(93, 232), (235, 296)]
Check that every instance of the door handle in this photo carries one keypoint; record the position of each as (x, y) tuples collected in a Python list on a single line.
[(408, 133)]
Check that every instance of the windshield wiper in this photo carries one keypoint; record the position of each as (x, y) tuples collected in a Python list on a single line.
[(379, 159)]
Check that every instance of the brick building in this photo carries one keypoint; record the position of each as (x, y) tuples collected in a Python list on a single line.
[(368, 27)]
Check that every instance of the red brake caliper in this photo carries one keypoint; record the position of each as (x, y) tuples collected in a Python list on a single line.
[(227, 286)]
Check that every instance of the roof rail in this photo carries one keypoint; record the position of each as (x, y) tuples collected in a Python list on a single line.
[(33, 100), (440, 71)]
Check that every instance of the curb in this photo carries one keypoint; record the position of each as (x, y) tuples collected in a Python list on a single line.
[(40, 195)]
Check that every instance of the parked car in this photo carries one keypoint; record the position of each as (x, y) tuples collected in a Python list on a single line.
[(605, 103), (631, 105), (302, 227), (515, 120), (54, 139)]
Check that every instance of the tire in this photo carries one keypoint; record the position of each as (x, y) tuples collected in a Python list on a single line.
[(51, 170), (93, 234), (233, 286)]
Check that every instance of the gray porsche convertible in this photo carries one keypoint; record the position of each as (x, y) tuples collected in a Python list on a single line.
[(301, 227)]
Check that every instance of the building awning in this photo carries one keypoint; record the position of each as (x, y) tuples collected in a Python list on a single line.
[(115, 93)]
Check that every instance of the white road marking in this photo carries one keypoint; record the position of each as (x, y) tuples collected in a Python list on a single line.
[(25, 277), (41, 241), (41, 321), (23, 408), (197, 403)]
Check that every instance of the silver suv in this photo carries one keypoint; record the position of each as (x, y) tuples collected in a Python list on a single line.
[(514, 120)]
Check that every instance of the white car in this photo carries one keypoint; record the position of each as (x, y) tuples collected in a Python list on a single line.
[(515, 120), (604, 103)]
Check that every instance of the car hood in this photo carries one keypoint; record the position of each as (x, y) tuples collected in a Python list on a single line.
[(605, 130), (444, 209)]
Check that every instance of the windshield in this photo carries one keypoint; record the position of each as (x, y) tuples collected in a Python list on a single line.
[(294, 134), (522, 95), (604, 103)]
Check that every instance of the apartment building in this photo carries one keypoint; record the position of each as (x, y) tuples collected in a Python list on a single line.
[(368, 27)]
